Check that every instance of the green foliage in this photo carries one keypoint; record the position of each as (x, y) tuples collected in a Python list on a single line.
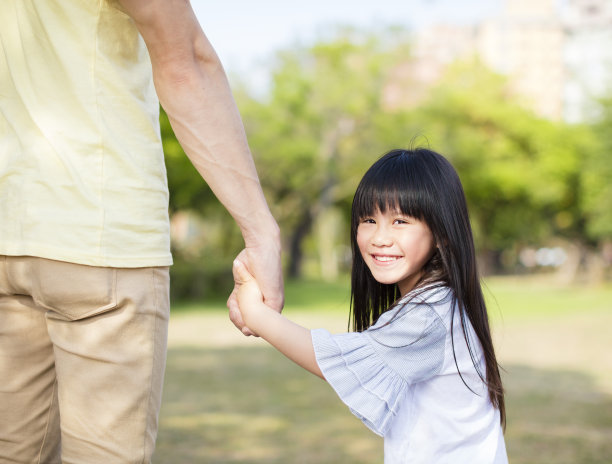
[(328, 116), (313, 135), (596, 179), (314, 123), (518, 170)]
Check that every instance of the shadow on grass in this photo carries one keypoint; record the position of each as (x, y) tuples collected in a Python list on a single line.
[(250, 405), (556, 416)]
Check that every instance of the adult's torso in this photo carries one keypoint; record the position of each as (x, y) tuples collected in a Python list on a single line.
[(82, 175)]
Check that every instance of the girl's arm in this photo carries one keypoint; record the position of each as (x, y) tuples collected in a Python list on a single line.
[(291, 339)]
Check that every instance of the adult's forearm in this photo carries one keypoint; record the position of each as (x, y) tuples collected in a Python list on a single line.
[(193, 89), (197, 98)]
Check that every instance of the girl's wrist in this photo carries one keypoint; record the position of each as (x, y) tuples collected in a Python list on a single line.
[(256, 314)]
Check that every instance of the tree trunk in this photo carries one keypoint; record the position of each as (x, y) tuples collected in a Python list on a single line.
[(328, 156), (296, 253)]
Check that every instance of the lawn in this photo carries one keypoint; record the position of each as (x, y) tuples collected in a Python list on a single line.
[(232, 399)]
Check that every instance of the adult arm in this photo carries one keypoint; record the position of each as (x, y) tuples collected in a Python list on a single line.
[(193, 90)]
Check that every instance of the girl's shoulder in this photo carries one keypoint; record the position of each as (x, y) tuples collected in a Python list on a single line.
[(421, 307), (432, 295), (434, 298)]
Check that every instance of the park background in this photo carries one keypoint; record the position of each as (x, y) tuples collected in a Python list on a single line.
[(518, 95)]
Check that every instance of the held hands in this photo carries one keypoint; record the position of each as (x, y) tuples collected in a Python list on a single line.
[(262, 265), (291, 339)]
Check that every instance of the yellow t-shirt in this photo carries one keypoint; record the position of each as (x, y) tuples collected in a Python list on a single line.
[(82, 174)]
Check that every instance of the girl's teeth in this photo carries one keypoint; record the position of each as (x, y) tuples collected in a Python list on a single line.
[(386, 258)]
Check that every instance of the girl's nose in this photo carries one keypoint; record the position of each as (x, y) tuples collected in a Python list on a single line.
[(381, 237)]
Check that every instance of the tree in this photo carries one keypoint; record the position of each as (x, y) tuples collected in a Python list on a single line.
[(520, 172), (327, 117), (312, 135), (596, 170)]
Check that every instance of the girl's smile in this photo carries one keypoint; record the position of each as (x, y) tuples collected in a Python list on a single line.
[(395, 247)]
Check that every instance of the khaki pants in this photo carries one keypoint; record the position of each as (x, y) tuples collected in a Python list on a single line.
[(87, 344)]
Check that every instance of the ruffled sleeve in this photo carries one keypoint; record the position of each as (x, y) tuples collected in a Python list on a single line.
[(371, 370)]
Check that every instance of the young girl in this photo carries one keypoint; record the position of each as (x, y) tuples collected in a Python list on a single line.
[(420, 368)]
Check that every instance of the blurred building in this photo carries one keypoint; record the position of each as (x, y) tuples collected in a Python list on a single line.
[(557, 55), (526, 44), (588, 56), (434, 48)]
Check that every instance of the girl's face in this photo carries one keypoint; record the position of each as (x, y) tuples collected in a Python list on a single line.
[(395, 247)]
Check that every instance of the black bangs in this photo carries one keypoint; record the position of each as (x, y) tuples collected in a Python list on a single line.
[(397, 181)]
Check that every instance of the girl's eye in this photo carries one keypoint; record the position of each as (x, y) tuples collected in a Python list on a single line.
[(368, 221), (400, 221)]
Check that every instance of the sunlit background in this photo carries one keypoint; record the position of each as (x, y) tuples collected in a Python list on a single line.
[(518, 95), (246, 34)]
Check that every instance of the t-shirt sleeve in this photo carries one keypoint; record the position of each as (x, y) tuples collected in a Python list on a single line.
[(371, 370)]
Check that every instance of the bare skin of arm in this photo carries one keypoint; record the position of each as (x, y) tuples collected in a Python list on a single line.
[(193, 90), (291, 339)]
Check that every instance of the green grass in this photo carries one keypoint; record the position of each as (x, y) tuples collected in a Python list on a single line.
[(250, 405), (231, 399), (532, 297), (318, 296), (299, 294), (538, 297)]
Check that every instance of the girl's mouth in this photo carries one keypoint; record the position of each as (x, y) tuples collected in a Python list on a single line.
[(385, 258)]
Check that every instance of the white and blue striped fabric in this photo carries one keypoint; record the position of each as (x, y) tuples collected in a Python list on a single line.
[(370, 370), (400, 377)]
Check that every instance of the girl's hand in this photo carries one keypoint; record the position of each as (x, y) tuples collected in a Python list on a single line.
[(248, 295), (247, 287)]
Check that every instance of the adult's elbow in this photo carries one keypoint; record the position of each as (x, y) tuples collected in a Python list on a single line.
[(187, 67)]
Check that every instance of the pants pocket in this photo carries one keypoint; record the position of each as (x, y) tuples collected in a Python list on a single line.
[(74, 291)]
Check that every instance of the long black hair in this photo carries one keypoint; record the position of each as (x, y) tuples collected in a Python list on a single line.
[(424, 185)]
